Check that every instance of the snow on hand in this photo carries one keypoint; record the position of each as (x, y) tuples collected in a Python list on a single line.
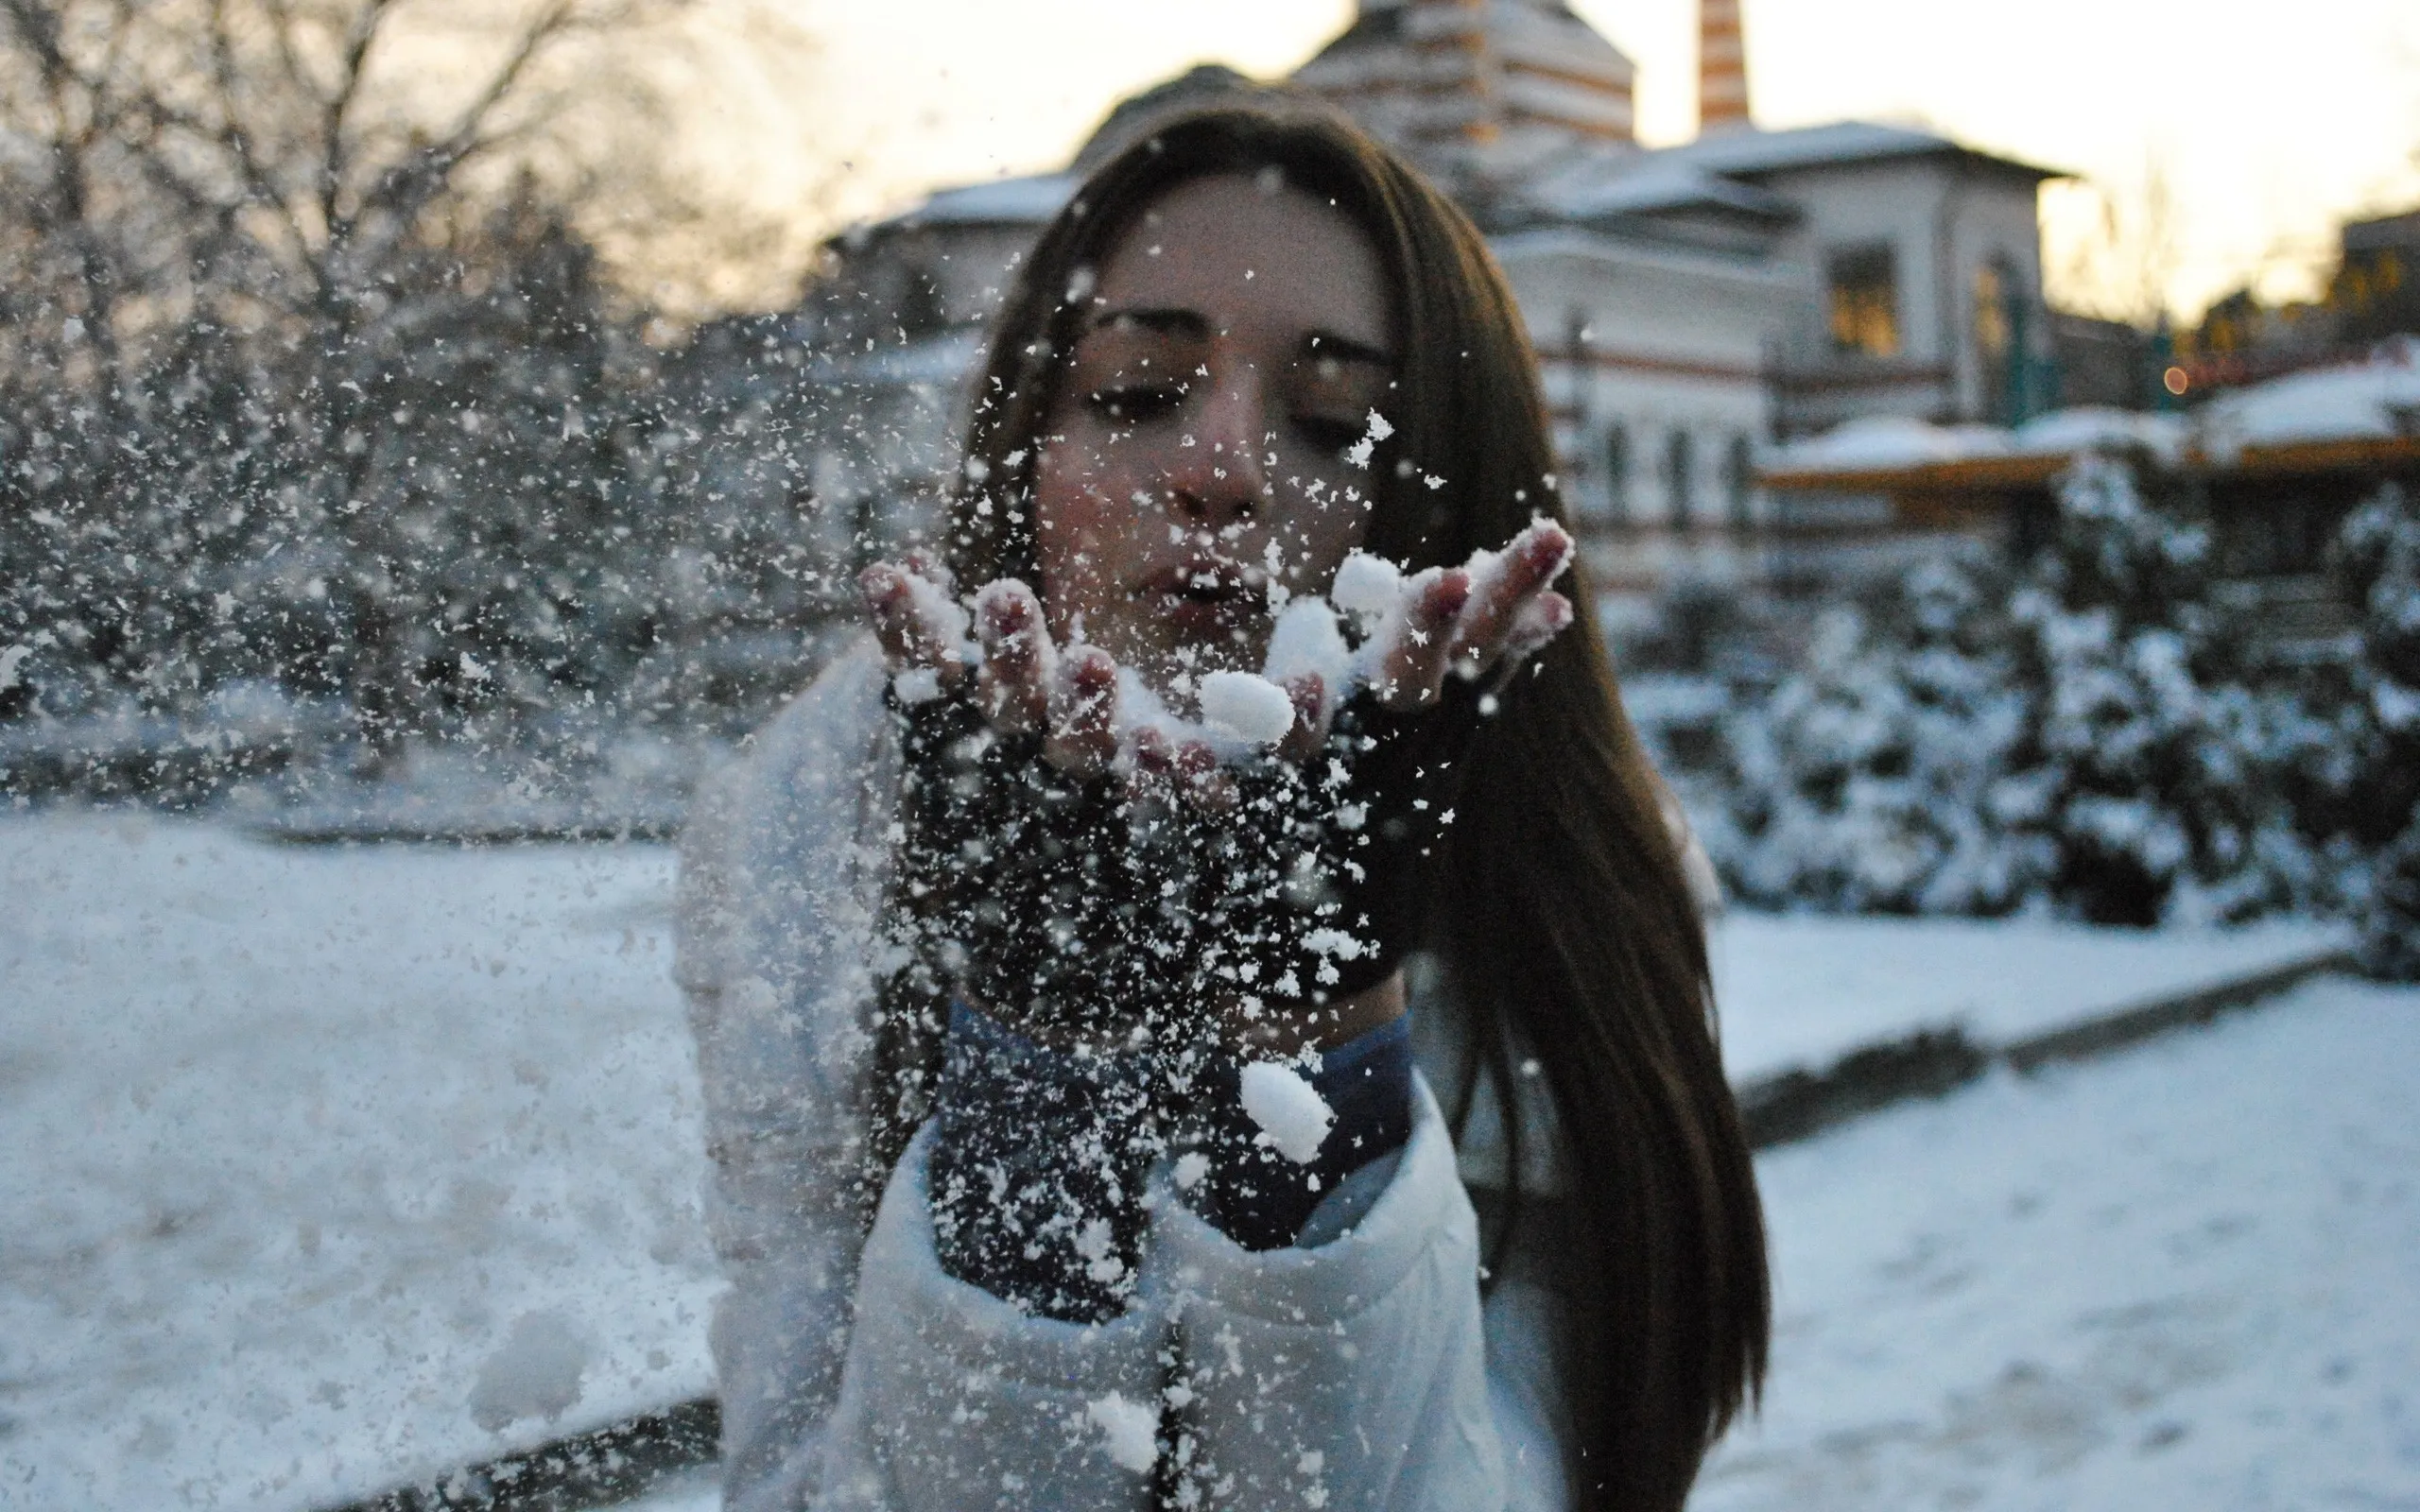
[(1306, 639), (1246, 706), (1366, 588)]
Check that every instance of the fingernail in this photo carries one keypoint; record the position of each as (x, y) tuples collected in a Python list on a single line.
[(1006, 616), (1452, 591)]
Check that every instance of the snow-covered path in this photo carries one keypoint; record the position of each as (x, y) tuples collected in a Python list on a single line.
[(327, 1169), (324, 1168), (2187, 1276), (1801, 990)]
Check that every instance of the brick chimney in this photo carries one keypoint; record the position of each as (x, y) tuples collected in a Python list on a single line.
[(1722, 67)]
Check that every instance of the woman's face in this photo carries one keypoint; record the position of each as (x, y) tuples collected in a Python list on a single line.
[(1239, 338)]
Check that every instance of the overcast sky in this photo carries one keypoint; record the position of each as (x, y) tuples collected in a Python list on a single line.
[(2273, 120)]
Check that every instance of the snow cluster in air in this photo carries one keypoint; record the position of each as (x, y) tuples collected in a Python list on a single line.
[(1129, 1431), (1377, 430), (1292, 1116)]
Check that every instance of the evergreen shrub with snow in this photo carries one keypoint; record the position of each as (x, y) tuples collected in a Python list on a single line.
[(1877, 779), (2073, 734), (2378, 557)]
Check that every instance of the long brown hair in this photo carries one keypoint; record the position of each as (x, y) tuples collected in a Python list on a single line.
[(1564, 922)]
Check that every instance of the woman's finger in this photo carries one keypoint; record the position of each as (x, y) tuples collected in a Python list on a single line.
[(931, 569), (1413, 669), (1083, 712), (1502, 593), (1019, 661), (1547, 616), (914, 621), (1150, 768), (1205, 783), (1308, 691)]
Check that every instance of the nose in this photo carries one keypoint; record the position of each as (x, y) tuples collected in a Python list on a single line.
[(1222, 478)]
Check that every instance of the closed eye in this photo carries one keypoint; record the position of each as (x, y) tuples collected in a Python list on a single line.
[(1329, 433), (1139, 404)]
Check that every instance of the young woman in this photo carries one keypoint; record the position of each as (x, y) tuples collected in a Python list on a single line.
[(1013, 968)]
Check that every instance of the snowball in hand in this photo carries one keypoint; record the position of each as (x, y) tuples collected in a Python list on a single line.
[(1246, 706), (1368, 588), (1291, 1112), (915, 685), (1306, 638)]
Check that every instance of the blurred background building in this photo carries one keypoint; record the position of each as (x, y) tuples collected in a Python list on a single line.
[(1689, 304)]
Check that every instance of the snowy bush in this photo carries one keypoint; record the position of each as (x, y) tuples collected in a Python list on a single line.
[(2072, 733), (1876, 779), (2149, 751), (2378, 558)]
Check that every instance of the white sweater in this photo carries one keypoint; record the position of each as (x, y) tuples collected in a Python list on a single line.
[(1364, 1373)]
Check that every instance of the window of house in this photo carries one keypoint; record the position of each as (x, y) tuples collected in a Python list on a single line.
[(1739, 483), (1997, 355), (1678, 463), (1617, 473), (1865, 301), (921, 311)]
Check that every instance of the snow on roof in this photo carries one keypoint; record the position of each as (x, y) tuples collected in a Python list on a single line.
[(1762, 151), (1002, 201), (1886, 441), (1629, 184), (2095, 427), (2379, 399), (1555, 39), (2376, 399)]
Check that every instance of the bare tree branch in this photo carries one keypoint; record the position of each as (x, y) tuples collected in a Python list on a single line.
[(237, 137), (352, 69)]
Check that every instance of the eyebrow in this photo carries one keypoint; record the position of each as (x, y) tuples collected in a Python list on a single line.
[(1178, 321)]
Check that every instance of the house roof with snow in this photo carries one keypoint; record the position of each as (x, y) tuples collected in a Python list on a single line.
[(2359, 416), (1606, 185), (1032, 200), (1751, 152)]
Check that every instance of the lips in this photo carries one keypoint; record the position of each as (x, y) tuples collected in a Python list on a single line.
[(1206, 593)]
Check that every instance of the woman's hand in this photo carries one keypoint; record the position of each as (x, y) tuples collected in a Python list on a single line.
[(1025, 685), (1298, 876), (1475, 620)]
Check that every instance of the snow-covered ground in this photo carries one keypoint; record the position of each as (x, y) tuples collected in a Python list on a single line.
[(1798, 992), (329, 1168), (2187, 1276)]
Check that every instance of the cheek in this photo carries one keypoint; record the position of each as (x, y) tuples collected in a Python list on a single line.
[(1081, 535)]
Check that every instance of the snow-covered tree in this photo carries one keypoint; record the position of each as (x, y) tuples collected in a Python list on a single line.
[(1877, 779), (311, 383), (2074, 731), (2378, 556), (2146, 751)]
